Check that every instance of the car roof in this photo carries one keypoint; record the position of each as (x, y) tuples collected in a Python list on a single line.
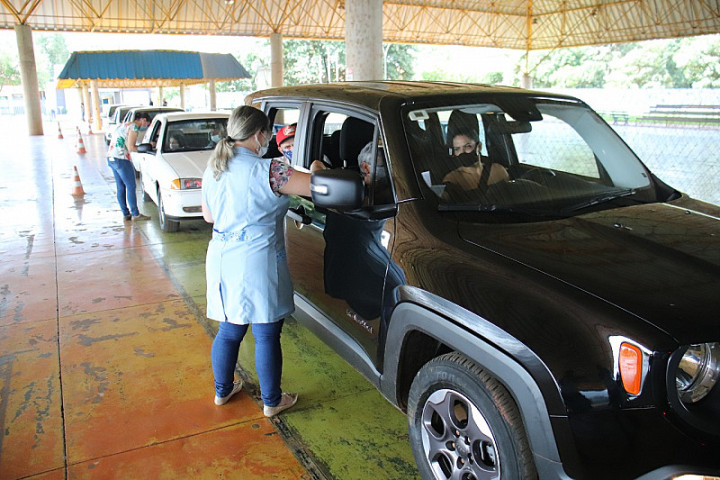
[(371, 93), (179, 116), (158, 109)]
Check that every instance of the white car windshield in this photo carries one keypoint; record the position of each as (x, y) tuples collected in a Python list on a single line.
[(545, 155), (198, 134)]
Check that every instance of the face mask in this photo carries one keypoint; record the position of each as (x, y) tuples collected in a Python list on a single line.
[(467, 159), (288, 155), (263, 148), (215, 138)]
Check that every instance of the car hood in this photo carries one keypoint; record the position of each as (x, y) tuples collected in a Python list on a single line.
[(188, 164), (660, 262)]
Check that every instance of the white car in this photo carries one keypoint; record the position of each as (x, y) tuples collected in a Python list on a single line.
[(172, 159)]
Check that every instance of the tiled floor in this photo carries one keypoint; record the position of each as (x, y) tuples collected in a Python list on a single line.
[(104, 348)]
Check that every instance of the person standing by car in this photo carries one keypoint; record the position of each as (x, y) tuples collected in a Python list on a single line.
[(122, 143), (248, 281)]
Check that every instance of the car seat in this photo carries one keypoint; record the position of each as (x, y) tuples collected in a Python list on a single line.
[(354, 135)]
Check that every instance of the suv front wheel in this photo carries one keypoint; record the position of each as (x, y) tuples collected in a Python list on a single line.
[(464, 424)]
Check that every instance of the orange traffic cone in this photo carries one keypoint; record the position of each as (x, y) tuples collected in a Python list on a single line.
[(90, 128), (80, 144), (77, 189), (60, 135)]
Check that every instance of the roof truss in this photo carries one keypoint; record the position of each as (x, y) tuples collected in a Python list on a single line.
[(514, 24)]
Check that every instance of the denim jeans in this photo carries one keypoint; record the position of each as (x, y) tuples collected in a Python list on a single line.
[(268, 358), (124, 173)]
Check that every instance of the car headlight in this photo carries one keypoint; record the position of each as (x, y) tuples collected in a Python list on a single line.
[(186, 184), (698, 371)]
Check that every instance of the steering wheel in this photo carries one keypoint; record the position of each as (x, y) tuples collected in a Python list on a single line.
[(538, 175)]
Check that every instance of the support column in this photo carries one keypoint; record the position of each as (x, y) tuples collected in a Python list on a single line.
[(86, 102), (213, 100), (527, 80), (363, 39), (276, 60), (97, 120), (28, 74), (182, 96), (160, 96)]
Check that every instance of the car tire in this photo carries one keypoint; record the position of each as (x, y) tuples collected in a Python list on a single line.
[(166, 225), (464, 424)]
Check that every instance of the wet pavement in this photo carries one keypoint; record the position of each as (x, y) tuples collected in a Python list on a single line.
[(105, 349)]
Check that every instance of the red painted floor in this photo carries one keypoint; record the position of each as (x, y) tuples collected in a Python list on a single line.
[(104, 369)]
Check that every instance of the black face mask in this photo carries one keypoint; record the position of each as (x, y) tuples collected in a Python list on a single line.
[(467, 159)]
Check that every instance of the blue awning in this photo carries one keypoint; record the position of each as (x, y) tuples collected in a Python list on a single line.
[(149, 68)]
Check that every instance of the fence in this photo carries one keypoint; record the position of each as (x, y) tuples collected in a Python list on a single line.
[(675, 132)]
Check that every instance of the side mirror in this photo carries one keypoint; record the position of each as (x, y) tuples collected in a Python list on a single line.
[(340, 189), (145, 148)]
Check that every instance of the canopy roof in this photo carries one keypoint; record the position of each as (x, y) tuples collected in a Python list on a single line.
[(148, 68), (515, 24)]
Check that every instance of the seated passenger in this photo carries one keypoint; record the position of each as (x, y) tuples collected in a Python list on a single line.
[(174, 143), (215, 135), (475, 170), (285, 138)]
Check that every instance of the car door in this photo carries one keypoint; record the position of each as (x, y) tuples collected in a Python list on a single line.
[(339, 262), (149, 161)]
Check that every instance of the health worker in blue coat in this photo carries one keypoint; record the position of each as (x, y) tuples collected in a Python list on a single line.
[(248, 281)]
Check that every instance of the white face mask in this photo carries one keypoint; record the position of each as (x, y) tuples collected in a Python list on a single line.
[(215, 138), (263, 148)]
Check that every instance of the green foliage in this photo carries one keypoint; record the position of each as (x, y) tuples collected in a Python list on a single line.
[(313, 61), (676, 63), (399, 61), (9, 72), (50, 50)]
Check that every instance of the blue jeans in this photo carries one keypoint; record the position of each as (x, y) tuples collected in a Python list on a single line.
[(124, 173), (268, 358)]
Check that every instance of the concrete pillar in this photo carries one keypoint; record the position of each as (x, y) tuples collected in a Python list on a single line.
[(363, 39), (160, 96), (182, 96), (213, 100), (276, 60), (86, 101), (97, 120), (28, 74), (527, 80)]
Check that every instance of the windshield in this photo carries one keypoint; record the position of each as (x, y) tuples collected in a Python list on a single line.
[(534, 155), (199, 134)]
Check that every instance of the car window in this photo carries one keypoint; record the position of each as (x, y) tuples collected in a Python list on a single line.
[(152, 134), (553, 144), (282, 117), (192, 135), (540, 155), (345, 141)]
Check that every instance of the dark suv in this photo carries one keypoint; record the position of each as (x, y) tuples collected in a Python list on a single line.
[(502, 267)]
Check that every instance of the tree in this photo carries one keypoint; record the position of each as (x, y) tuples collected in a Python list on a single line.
[(399, 61), (313, 61), (51, 51), (9, 73), (698, 59)]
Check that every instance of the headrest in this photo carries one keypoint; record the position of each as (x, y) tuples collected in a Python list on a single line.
[(354, 135), (461, 123)]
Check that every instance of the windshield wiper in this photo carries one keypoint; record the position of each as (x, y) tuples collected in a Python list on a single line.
[(599, 199), (494, 208)]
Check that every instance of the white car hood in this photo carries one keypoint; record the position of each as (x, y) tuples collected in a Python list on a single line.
[(188, 164)]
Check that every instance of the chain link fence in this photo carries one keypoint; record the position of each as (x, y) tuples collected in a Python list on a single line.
[(675, 132)]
